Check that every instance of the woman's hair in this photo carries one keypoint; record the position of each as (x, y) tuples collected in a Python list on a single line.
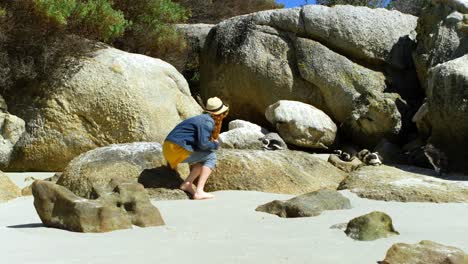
[(218, 119)]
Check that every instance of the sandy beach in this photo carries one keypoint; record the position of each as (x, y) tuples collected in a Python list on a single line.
[(228, 230)]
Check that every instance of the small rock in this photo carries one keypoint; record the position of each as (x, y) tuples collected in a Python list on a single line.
[(306, 205), (126, 205), (246, 124), (346, 166), (425, 252), (371, 226), (241, 138)]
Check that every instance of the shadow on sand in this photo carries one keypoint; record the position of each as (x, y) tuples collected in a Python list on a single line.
[(35, 225)]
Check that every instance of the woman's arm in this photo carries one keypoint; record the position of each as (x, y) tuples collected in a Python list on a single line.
[(204, 131)]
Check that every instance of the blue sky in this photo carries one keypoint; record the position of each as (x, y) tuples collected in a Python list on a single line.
[(293, 3)]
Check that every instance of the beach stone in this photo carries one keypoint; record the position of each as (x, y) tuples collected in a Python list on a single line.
[(301, 124), (11, 130), (403, 184), (306, 205), (241, 138), (346, 166), (125, 205), (165, 194), (371, 226), (108, 97), (144, 162), (27, 191), (283, 171), (440, 36), (424, 252), (8, 190), (447, 98)]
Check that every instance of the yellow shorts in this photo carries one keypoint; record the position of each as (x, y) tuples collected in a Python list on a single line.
[(174, 154)]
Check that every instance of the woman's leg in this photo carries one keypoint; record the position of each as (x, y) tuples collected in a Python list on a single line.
[(195, 171), (200, 193)]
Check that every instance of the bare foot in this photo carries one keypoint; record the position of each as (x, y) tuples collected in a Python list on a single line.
[(202, 195), (187, 187)]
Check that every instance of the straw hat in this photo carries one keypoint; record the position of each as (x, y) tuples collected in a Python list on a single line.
[(215, 106)]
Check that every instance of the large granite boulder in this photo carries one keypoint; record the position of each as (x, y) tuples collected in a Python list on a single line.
[(253, 61), (8, 190), (126, 204), (109, 97), (91, 173), (288, 172), (447, 98), (408, 184), (425, 252), (241, 138), (11, 130), (371, 226), (306, 205), (301, 124), (354, 94), (442, 35)]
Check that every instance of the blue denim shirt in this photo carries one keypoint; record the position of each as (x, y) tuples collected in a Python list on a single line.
[(194, 133)]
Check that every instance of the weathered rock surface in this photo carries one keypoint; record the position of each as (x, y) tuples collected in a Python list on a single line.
[(241, 138), (93, 171), (27, 191), (371, 226), (246, 124), (302, 124), (408, 184), (363, 33), (260, 56), (441, 35), (110, 97), (354, 94), (11, 130), (447, 98), (289, 172), (425, 252), (188, 61), (346, 166), (3, 105), (8, 190), (306, 205), (126, 204)]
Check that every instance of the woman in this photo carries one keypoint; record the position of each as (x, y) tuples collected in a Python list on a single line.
[(193, 141)]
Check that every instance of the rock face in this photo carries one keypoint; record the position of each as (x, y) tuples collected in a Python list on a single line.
[(425, 252), (8, 190), (441, 35), (403, 185), (188, 62), (448, 110), (301, 124), (91, 173), (371, 226), (127, 204), (310, 204), (11, 130), (289, 172), (110, 97), (276, 55)]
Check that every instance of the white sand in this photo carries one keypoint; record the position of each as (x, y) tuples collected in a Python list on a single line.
[(228, 230)]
